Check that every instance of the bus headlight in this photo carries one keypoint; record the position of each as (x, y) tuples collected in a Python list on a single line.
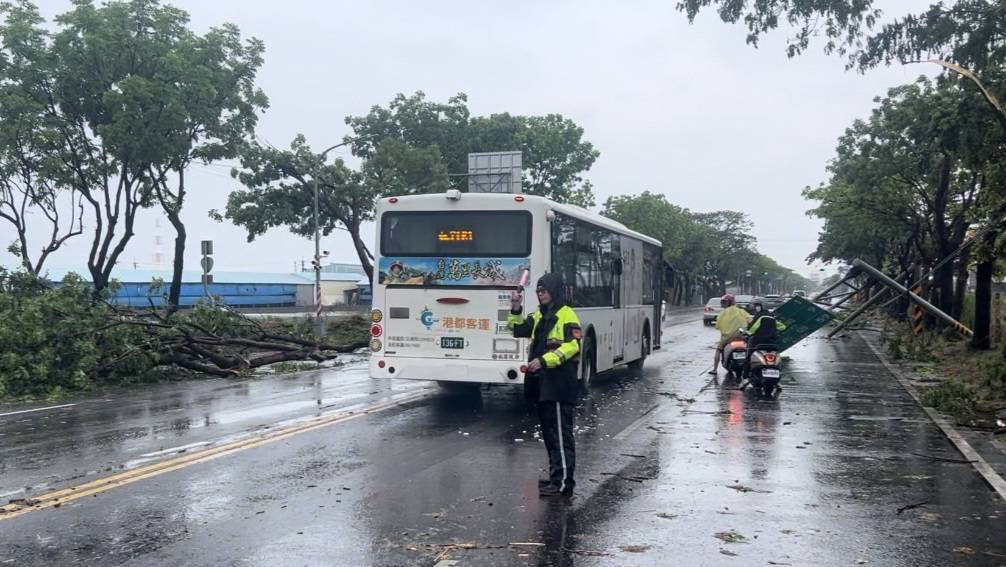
[(375, 345), (505, 345)]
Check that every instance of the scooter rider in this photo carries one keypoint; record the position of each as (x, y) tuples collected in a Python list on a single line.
[(551, 376), (728, 322), (763, 331)]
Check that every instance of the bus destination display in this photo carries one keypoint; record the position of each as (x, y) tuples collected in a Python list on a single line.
[(456, 236)]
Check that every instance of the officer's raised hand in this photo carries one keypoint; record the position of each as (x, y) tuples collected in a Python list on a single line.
[(516, 301)]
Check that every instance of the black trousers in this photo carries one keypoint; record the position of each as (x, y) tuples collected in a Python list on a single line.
[(557, 431)]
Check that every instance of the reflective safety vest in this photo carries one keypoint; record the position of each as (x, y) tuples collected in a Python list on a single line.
[(563, 341)]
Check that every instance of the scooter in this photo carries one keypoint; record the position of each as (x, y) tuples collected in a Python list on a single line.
[(732, 358), (765, 373)]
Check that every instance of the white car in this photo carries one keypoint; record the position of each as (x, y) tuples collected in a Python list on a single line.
[(711, 311)]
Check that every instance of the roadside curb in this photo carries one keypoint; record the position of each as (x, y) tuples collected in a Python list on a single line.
[(981, 466)]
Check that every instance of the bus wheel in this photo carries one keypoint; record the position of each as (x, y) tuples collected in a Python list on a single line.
[(589, 365), (645, 343)]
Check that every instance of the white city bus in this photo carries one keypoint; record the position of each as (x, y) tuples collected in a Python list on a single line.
[(446, 264)]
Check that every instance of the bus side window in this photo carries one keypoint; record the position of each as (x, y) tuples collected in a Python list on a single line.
[(564, 255)]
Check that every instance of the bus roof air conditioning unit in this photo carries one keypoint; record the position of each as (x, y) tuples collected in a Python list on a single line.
[(495, 172)]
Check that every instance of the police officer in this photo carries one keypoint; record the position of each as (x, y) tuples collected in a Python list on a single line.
[(551, 377)]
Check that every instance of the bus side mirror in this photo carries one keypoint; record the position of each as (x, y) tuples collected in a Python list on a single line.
[(616, 267)]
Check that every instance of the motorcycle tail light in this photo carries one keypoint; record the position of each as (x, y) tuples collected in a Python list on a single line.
[(770, 358), (708, 309)]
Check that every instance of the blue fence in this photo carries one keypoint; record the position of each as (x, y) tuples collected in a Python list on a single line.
[(237, 295)]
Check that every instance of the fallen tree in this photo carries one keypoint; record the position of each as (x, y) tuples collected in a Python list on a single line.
[(60, 338)]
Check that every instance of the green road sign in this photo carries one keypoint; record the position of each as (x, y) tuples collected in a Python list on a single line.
[(802, 317)]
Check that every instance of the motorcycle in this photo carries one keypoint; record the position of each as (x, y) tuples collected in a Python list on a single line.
[(765, 374), (732, 359)]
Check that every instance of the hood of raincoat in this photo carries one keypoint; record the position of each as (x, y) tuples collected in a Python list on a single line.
[(554, 284)]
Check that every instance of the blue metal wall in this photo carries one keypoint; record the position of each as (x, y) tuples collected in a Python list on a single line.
[(238, 295)]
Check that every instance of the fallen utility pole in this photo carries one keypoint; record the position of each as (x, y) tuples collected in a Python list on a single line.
[(928, 307), (861, 267)]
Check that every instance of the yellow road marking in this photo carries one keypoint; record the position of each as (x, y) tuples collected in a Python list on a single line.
[(66, 495)]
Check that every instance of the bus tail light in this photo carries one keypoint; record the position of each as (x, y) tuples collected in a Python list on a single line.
[(376, 315), (519, 198), (376, 330), (375, 345), (393, 200)]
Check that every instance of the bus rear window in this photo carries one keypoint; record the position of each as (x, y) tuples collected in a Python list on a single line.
[(456, 233)]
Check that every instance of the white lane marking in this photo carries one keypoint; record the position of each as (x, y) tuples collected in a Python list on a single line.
[(980, 464), (562, 451), (621, 435), (36, 409)]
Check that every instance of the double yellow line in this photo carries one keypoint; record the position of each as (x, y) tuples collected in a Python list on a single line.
[(59, 497)]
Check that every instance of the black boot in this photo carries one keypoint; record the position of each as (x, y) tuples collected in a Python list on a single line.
[(551, 490)]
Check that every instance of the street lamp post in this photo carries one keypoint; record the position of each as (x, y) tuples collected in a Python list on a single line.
[(319, 326)]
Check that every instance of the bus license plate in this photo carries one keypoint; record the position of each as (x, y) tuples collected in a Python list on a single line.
[(452, 342), (770, 373)]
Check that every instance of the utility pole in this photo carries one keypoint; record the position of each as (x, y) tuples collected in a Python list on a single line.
[(319, 325)]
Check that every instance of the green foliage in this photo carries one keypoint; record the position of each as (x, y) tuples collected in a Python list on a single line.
[(58, 340), (707, 248), (407, 148), (349, 331), (111, 105), (554, 152), (968, 32), (908, 181), (951, 397)]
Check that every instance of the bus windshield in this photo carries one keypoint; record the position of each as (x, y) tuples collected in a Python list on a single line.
[(495, 234)]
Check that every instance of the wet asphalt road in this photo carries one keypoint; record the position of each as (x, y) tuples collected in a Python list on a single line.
[(670, 465)]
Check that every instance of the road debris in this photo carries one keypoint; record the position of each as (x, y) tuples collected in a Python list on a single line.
[(634, 548), (730, 537), (911, 507), (746, 489)]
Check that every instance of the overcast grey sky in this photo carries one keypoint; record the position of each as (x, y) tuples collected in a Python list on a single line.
[(689, 111)]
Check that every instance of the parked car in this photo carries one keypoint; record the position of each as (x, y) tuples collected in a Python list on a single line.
[(711, 311)]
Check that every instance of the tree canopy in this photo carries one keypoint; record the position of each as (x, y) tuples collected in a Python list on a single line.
[(708, 251), (411, 146), (108, 109)]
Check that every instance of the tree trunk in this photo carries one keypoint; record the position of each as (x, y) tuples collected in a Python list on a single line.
[(983, 306), (944, 277), (361, 249), (960, 286), (175, 291)]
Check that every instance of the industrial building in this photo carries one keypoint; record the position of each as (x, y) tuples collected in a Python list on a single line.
[(236, 289)]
